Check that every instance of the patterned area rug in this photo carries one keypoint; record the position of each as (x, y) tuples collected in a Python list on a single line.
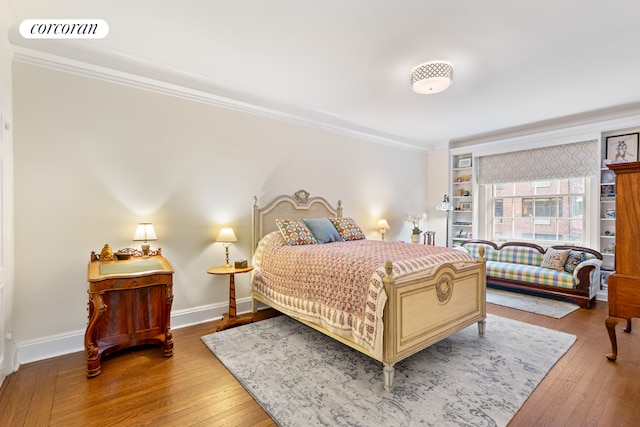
[(301, 377), (539, 305)]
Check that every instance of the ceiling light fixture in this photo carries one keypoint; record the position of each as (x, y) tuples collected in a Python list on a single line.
[(432, 77)]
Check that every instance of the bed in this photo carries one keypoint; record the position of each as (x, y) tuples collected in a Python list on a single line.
[(392, 299)]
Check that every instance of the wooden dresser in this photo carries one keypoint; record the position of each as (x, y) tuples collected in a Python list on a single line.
[(624, 283), (129, 304)]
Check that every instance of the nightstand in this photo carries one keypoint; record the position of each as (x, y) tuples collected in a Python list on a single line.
[(230, 319), (129, 304)]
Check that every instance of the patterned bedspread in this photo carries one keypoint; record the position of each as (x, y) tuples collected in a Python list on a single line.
[(339, 285)]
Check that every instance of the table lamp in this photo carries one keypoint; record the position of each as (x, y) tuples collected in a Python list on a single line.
[(383, 226), (226, 236), (144, 233)]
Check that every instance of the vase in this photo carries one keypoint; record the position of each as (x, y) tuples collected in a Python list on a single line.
[(415, 238), (106, 254)]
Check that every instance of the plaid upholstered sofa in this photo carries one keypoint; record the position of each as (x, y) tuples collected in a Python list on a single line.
[(567, 272)]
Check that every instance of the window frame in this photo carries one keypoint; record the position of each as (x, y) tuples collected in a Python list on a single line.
[(490, 205)]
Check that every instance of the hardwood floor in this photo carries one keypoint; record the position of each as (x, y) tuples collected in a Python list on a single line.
[(141, 387)]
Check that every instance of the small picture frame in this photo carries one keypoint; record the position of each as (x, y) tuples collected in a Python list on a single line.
[(622, 148), (465, 206), (607, 192), (464, 163)]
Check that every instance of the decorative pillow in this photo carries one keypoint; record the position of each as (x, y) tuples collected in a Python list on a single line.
[(555, 259), (295, 232), (347, 228), (573, 260), (323, 230)]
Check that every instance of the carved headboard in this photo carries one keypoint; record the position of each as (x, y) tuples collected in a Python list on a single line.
[(298, 206)]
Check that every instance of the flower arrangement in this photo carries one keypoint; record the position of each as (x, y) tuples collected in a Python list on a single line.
[(415, 220)]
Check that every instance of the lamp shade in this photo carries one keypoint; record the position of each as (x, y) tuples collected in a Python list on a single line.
[(226, 235), (444, 205), (144, 232), (383, 224), (432, 77)]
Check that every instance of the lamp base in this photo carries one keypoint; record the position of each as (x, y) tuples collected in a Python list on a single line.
[(226, 253), (145, 249), (447, 242)]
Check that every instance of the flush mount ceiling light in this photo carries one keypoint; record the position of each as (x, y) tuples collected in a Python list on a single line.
[(432, 77)]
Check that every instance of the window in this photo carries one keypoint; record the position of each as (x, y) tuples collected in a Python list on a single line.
[(546, 212), (542, 207)]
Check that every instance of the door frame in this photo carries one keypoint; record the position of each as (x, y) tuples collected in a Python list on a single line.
[(7, 344)]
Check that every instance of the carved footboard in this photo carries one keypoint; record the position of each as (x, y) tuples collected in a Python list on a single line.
[(419, 312), (422, 312)]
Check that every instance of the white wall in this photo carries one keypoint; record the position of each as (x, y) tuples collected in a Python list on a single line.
[(437, 186), (93, 158)]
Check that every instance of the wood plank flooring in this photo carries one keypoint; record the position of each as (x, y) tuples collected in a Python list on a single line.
[(141, 387)]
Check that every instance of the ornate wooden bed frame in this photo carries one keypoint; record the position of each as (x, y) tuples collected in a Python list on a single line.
[(418, 312)]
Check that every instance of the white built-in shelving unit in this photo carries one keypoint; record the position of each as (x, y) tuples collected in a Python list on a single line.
[(461, 197)]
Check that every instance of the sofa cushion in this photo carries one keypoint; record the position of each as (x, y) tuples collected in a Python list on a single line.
[(574, 258), (520, 255), (555, 259), (529, 274)]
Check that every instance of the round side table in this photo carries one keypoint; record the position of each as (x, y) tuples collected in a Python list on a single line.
[(230, 319)]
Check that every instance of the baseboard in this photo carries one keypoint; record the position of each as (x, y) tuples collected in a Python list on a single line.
[(51, 346), (208, 313), (58, 345)]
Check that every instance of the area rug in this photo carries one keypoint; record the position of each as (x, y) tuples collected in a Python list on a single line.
[(304, 378), (545, 306)]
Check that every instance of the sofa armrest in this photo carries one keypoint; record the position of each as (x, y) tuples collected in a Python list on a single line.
[(583, 271), (462, 249)]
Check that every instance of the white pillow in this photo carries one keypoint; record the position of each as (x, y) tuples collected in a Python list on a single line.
[(555, 259)]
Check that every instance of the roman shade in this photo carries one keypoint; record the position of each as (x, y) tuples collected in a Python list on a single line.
[(579, 159)]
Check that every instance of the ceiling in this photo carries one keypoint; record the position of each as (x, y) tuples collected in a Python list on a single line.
[(346, 65)]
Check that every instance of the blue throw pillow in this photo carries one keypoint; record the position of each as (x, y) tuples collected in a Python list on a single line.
[(573, 260), (323, 230)]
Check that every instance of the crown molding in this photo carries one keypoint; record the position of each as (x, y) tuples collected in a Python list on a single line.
[(601, 120), (198, 89), (595, 128)]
